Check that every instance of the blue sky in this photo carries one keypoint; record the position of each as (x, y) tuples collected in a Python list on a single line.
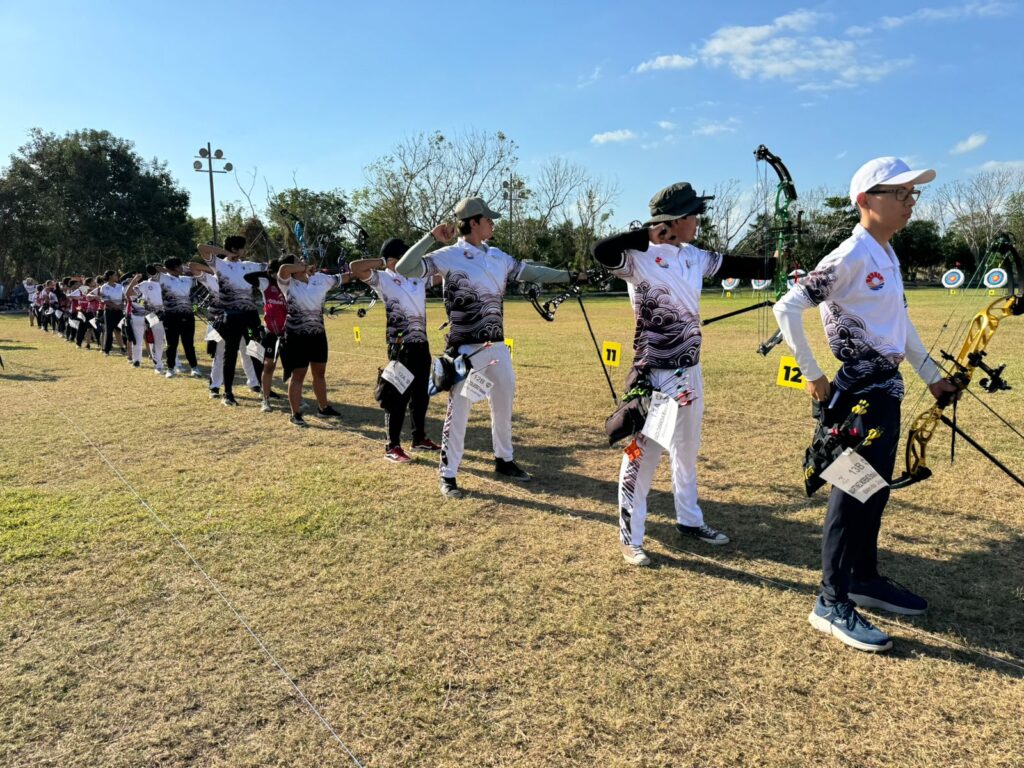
[(644, 94)]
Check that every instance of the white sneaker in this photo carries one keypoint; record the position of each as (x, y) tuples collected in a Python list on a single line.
[(159, 371), (634, 555), (169, 374), (265, 406), (196, 373)]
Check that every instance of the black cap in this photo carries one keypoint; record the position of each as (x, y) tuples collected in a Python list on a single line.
[(675, 202), (394, 248)]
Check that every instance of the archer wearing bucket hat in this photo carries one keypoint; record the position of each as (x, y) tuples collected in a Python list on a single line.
[(859, 292), (665, 273), (476, 276)]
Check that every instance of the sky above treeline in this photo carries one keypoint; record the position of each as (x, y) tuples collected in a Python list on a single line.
[(642, 95)]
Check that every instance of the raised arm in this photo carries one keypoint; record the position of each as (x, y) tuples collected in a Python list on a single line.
[(198, 266), (361, 269), (411, 263), (209, 251)]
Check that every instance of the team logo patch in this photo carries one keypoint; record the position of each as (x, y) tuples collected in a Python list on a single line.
[(661, 262), (467, 254), (399, 282), (875, 281)]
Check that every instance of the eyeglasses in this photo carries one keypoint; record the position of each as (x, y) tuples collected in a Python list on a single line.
[(900, 194)]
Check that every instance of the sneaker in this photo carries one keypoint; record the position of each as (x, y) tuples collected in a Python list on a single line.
[(634, 555), (510, 469), (106, 354), (229, 400), (275, 395), (450, 489), (160, 372), (136, 364), (426, 444), (297, 421), (169, 375), (326, 413), (841, 620), (887, 595), (265, 407), (703, 532), (256, 388), (196, 373), (397, 455), (214, 393)]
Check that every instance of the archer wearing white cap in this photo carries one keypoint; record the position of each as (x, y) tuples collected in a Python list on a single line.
[(859, 293)]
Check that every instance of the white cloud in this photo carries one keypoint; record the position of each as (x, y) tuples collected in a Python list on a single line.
[(858, 31), (842, 154), (666, 125), (673, 61), (608, 137), (1001, 165), (788, 49), (594, 76), (973, 10), (969, 144), (712, 128)]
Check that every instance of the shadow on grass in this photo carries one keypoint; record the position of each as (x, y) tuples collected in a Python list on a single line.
[(974, 596)]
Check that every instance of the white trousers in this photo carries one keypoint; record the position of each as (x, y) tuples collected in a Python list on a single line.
[(217, 372), (496, 364), (636, 473), (156, 349)]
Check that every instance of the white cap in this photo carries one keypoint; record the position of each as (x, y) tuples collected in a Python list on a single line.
[(885, 170)]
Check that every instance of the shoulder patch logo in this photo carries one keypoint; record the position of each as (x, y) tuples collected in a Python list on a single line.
[(467, 254), (875, 281), (661, 262)]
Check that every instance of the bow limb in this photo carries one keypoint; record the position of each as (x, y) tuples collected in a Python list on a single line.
[(969, 359)]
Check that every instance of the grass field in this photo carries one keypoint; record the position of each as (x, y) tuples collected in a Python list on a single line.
[(496, 631)]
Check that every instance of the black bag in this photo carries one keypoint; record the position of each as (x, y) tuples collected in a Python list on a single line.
[(446, 372), (628, 420), (386, 395)]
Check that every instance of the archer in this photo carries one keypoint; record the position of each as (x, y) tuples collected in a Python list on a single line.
[(859, 293)]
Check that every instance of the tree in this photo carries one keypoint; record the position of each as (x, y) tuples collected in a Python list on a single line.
[(84, 202), (416, 187), (918, 246), (978, 207)]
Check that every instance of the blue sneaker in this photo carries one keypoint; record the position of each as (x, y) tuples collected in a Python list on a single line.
[(841, 620), (887, 595)]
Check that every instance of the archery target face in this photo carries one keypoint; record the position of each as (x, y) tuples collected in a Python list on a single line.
[(995, 278), (760, 285), (794, 277), (731, 283), (953, 278)]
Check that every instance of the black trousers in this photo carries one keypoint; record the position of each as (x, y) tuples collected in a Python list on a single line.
[(83, 327), (180, 326), (415, 357), (849, 545), (234, 327), (111, 317)]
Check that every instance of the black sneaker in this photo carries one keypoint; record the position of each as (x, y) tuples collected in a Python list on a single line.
[(229, 400), (136, 364), (275, 395), (886, 595), (214, 393), (510, 469), (326, 413), (702, 532), (450, 489), (297, 421), (257, 390)]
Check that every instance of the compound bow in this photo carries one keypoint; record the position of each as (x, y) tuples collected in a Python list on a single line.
[(787, 232), (971, 357)]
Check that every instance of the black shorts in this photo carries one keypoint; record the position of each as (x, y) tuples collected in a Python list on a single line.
[(270, 347), (299, 350)]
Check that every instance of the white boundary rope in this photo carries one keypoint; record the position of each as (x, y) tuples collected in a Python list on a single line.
[(198, 566)]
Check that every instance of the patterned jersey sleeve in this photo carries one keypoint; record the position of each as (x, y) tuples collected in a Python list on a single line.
[(832, 275), (711, 262)]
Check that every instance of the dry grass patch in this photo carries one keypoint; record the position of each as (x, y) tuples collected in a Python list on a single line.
[(502, 630)]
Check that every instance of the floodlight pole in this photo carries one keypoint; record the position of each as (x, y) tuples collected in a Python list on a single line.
[(209, 156)]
